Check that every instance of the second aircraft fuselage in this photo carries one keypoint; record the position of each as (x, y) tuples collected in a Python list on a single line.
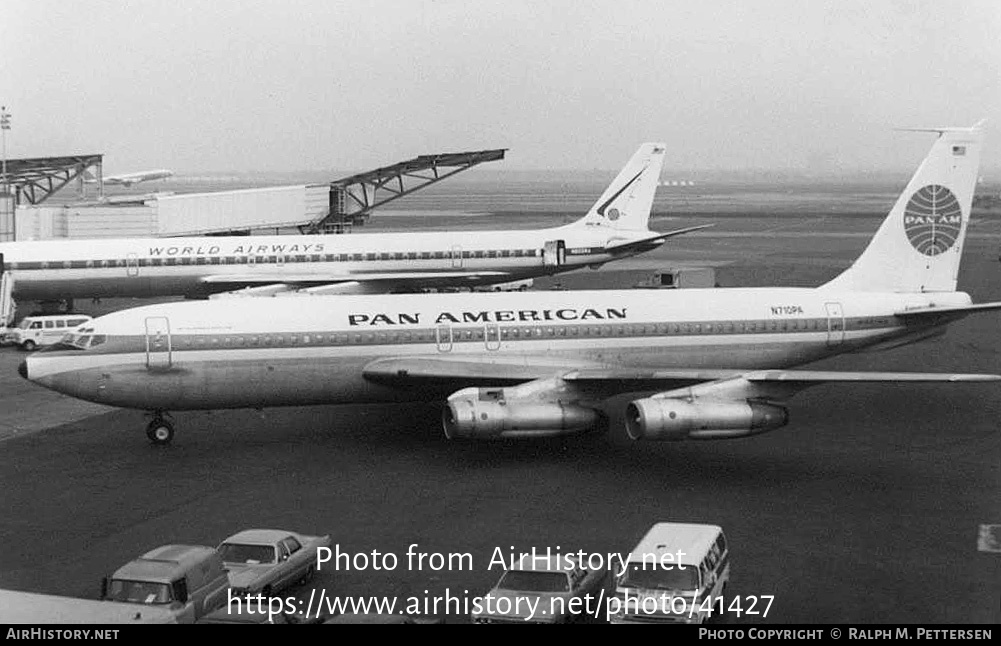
[(304, 350), (60, 270)]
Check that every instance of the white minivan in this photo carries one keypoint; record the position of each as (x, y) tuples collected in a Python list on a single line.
[(36, 331), (676, 574)]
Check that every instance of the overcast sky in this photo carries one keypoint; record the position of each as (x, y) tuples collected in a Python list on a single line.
[(319, 84)]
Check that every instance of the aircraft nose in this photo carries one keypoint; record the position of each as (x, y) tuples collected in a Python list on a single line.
[(23, 369)]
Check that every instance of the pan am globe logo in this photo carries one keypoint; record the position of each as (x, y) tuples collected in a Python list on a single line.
[(932, 220)]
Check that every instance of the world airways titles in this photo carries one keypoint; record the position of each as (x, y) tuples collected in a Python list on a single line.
[(239, 250), (491, 316)]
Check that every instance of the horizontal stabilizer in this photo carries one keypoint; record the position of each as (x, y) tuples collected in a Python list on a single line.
[(653, 240), (956, 309), (943, 130)]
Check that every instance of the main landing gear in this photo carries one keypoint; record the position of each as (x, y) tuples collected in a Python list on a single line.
[(160, 430)]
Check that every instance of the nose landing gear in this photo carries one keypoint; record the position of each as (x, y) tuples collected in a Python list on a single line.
[(160, 430)]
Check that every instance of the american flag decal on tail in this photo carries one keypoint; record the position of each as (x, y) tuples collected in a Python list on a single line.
[(958, 151)]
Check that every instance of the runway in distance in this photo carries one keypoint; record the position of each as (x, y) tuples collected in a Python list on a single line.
[(128, 179), (614, 228), (544, 363)]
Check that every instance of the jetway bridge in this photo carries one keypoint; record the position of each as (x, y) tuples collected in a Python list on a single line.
[(352, 199), (34, 180), (334, 207)]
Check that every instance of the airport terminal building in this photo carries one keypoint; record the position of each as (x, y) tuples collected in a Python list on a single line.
[(28, 213), (271, 209)]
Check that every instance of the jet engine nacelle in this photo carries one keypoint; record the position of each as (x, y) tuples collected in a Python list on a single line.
[(666, 419), (482, 414)]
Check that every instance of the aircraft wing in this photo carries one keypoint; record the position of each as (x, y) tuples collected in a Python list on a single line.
[(316, 280), (777, 376), (411, 371), (533, 396), (301, 279), (651, 241), (771, 385)]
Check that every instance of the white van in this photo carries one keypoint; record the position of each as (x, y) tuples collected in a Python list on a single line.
[(676, 574), (36, 331)]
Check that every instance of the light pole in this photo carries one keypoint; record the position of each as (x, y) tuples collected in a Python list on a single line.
[(4, 127)]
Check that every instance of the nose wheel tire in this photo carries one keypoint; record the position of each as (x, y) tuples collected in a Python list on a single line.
[(160, 432)]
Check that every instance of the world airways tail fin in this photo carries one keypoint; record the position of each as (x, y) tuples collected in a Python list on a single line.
[(626, 203), (919, 245)]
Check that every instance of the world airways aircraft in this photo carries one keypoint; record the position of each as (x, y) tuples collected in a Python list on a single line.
[(616, 227), (543, 363)]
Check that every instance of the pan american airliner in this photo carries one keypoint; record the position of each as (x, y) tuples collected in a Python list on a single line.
[(717, 361), (615, 227)]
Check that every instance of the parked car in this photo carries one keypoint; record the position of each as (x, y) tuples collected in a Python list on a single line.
[(549, 584), (267, 561)]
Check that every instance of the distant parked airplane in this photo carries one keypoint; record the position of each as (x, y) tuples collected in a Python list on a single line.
[(128, 179), (614, 228)]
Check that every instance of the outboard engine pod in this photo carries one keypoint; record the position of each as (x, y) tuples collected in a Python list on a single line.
[(666, 419)]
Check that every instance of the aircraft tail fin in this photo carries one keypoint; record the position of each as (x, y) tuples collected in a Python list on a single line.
[(626, 203), (919, 245)]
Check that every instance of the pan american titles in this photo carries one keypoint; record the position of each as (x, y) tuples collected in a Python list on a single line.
[(492, 316)]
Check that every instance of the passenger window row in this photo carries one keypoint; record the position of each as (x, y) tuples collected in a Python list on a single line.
[(172, 261), (479, 333)]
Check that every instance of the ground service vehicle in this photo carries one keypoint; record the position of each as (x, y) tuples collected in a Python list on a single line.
[(675, 574), (37, 331), (187, 580), (681, 278)]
